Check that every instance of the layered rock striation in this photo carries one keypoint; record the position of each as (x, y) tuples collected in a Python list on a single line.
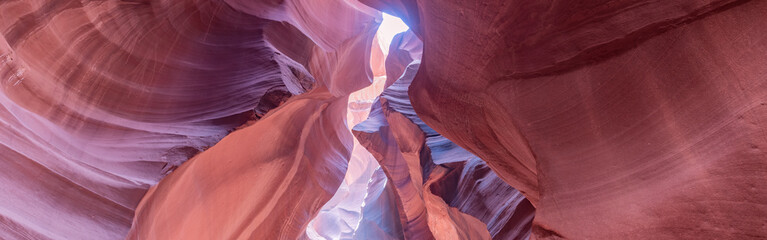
[(100, 99), (438, 184), (208, 119), (616, 119)]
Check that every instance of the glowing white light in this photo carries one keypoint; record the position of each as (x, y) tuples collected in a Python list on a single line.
[(390, 26)]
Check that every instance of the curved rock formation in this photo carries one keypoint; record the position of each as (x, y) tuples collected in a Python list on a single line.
[(400, 147), (101, 98), (315, 121), (471, 187), (616, 119), (402, 163), (246, 191), (381, 218), (341, 216), (428, 194)]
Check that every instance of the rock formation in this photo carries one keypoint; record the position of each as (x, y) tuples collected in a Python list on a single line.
[(244, 187), (616, 119), (427, 171), (100, 99), (502, 119), (103, 98)]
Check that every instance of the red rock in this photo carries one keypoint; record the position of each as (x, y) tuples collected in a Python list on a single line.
[(401, 161), (98, 99), (268, 188), (400, 147), (616, 119), (102, 99), (473, 190)]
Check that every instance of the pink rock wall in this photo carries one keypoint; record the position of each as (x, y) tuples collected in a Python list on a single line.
[(464, 182), (264, 181), (617, 119), (100, 99), (599, 119)]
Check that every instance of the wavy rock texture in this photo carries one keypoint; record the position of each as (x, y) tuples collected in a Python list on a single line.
[(100, 99), (342, 31), (470, 186), (447, 222), (381, 218), (401, 149), (404, 173), (616, 119), (482, 194), (428, 194), (221, 192), (304, 145), (340, 218)]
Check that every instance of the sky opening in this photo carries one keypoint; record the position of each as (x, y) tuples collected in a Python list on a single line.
[(390, 26)]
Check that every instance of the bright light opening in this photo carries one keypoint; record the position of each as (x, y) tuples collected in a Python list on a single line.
[(390, 26), (343, 213)]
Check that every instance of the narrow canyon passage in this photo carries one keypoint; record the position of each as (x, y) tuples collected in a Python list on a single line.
[(423, 214), (385, 183), (340, 218), (309, 119)]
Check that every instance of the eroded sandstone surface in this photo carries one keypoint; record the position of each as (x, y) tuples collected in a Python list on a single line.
[(290, 119)]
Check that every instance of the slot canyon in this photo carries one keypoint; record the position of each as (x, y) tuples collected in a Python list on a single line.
[(383, 119)]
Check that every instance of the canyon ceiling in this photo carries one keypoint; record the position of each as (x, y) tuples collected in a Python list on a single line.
[(294, 119)]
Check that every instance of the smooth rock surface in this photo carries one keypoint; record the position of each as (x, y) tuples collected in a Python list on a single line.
[(472, 189), (100, 99), (255, 190), (616, 119), (502, 119)]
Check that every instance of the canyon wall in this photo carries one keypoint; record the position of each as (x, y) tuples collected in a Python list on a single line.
[(502, 119), (274, 176), (101, 99), (264, 181), (444, 192), (616, 119)]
